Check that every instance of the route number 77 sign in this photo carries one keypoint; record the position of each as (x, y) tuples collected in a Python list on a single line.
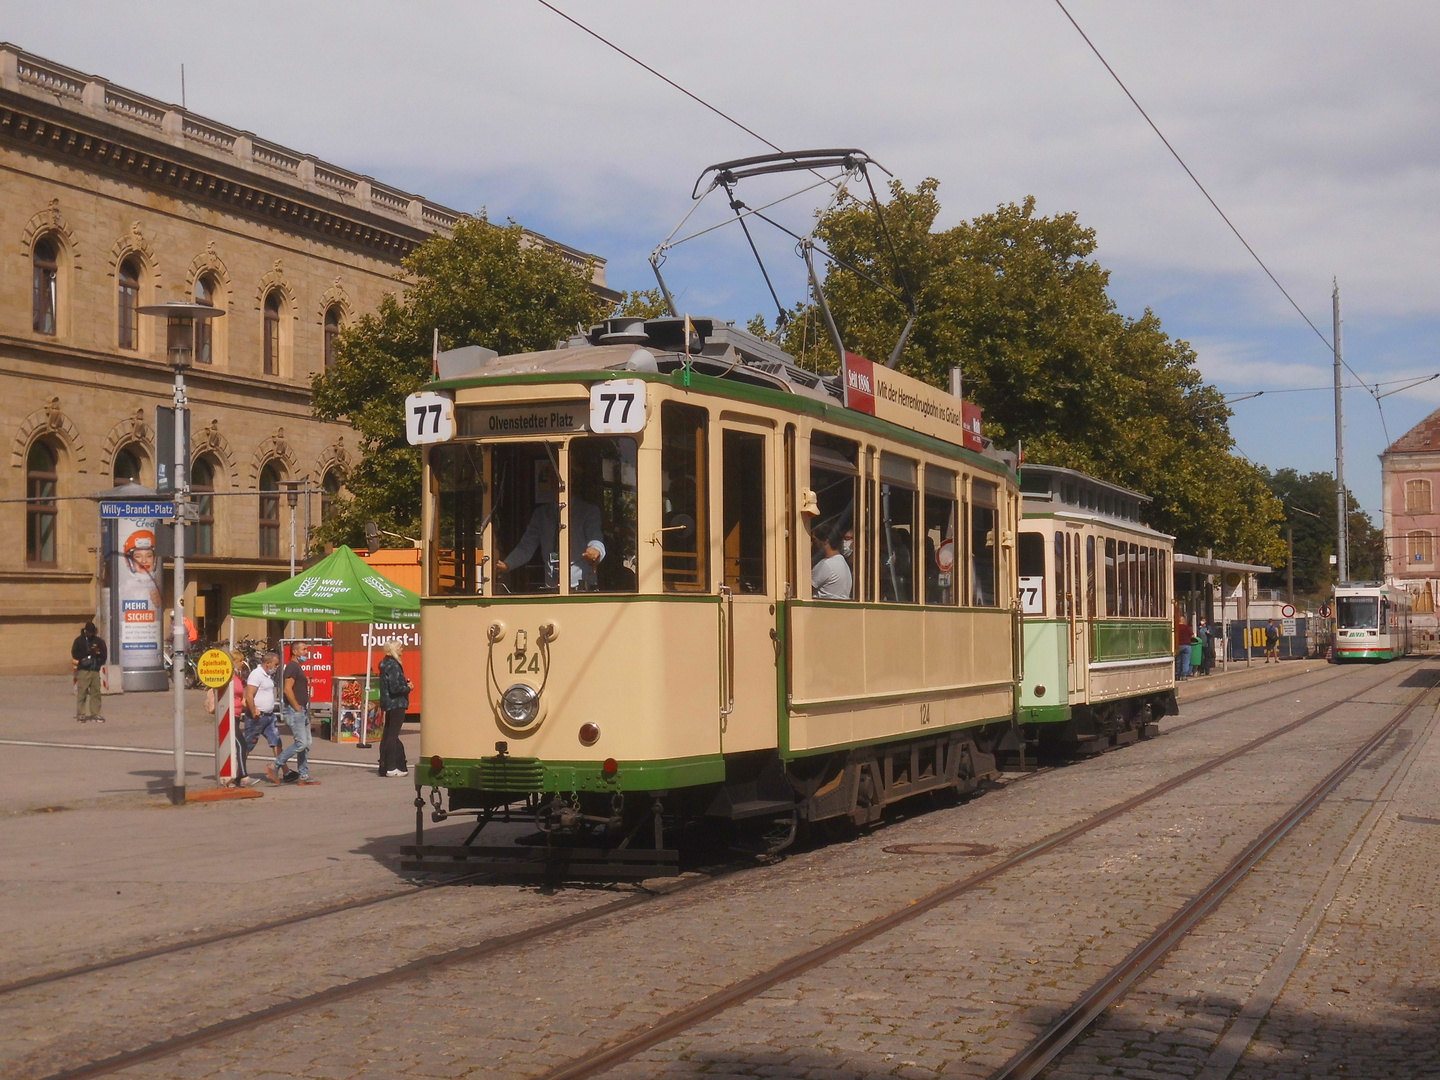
[(617, 406), (429, 418)]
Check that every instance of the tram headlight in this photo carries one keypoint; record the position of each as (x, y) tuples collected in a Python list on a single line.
[(520, 704)]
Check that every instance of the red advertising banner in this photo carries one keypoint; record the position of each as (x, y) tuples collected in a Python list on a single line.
[(973, 417), (877, 391), (859, 383)]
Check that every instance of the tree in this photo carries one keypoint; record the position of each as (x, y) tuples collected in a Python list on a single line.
[(483, 285), (1309, 502), (1014, 299)]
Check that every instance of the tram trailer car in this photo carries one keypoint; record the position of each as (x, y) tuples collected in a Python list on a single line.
[(1095, 589), (1372, 621), (766, 605)]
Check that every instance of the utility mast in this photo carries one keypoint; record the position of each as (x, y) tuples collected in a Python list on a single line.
[(1342, 531)]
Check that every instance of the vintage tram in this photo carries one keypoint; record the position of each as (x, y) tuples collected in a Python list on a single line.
[(1372, 621), (1095, 589), (670, 575)]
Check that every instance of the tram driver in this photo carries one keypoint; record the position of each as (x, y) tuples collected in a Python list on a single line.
[(542, 536)]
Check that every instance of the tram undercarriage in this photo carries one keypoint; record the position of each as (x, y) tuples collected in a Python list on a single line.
[(767, 801), (1093, 729)]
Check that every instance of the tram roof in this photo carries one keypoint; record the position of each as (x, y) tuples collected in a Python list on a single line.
[(718, 350), (1050, 489)]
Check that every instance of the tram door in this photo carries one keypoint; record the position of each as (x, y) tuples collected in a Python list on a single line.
[(748, 661), (1079, 639)]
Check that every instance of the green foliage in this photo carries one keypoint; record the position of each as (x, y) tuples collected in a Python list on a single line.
[(1315, 534), (1014, 299), (484, 285), (642, 303)]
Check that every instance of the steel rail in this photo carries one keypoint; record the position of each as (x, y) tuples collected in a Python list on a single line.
[(230, 935), (694, 1014), (1065, 1030), (669, 1026)]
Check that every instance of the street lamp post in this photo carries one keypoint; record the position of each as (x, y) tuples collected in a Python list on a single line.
[(180, 321)]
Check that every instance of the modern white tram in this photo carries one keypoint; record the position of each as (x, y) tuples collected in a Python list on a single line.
[(1372, 621)]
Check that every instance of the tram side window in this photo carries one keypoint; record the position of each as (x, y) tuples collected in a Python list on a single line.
[(602, 503), (455, 479), (1090, 576), (1032, 572), (1112, 595), (683, 465), (898, 495), (1061, 600), (941, 536), (1162, 579), (1134, 579), (743, 532), (835, 483), (1144, 582), (984, 525), (525, 516)]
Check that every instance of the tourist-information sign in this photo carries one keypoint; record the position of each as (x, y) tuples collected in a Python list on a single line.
[(215, 668), (127, 508)]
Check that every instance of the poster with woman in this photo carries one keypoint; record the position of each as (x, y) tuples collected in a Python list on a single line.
[(138, 604)]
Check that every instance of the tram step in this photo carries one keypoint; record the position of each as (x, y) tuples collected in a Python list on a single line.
[(760, 808), (575, 863)]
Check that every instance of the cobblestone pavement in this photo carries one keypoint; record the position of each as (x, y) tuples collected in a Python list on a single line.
[(953, 993)]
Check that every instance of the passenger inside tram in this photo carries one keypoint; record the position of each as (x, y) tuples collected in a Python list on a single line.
[(830, 577), (829, 516)]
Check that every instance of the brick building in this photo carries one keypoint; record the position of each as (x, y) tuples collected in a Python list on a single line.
[(110, 200), (1410, 479)]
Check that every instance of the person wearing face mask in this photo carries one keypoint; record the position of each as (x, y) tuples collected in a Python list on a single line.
[(542, 536), (830, 577)]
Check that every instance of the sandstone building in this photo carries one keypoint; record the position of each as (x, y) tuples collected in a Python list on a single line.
[(110, 200), (1410, 485)]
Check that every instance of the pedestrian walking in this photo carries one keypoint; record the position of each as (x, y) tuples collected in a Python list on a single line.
[(1183, 638), (1272, 642), (395, 703), (89, 655), (295, 711), (260, 710)]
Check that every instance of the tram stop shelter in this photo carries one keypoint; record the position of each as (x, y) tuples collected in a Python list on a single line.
[(1217, 590), (341, 587)]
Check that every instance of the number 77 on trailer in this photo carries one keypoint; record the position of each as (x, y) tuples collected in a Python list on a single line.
[(429, 418)]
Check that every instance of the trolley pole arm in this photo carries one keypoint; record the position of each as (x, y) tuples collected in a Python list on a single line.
[(807, 246)]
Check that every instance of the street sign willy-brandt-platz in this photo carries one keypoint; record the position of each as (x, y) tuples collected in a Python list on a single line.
[(888, 395)]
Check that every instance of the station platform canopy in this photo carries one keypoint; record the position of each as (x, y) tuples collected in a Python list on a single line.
[(1200, 564)]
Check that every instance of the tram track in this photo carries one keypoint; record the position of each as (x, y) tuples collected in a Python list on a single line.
[(1064, 1031), (172, 948), (736, 993)]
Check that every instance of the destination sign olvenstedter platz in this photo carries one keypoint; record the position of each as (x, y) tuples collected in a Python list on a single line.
[(548, 418)]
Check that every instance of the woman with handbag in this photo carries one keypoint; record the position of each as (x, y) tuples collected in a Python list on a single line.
[(394, 702)]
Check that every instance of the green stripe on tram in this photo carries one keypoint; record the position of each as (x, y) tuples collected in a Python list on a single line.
[(520, 776), (1126, 640)]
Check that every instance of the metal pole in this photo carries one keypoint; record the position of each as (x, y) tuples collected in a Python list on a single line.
[(1342, 531), (292, 536), (179, 639), (1290, 564)]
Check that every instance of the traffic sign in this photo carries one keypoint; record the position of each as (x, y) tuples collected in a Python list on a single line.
[(129, 508), (215, 668), (1287, 612)]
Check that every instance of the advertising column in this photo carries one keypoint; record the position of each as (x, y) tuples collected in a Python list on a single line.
[(136, 592)]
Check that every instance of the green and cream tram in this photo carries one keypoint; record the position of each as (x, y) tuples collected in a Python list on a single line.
[(1372, 621), (670, 576), (1095, 589)]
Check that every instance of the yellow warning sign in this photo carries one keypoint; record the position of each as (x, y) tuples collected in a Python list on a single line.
[(215, 668)]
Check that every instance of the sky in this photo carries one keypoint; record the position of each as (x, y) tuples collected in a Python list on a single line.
[(1313, 125)]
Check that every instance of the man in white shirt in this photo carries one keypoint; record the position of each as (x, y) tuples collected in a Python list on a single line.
[(260, 706), (830, 577)]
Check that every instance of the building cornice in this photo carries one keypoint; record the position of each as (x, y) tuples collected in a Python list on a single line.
[(68, 116)]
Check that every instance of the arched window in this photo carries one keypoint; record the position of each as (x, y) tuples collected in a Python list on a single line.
[(1420, 548), (40, 511), (205, 290), (45, 301), (270, 511), (272, 332), (129, 313), (127, 465), (1417, 497), (202, 488), (332, 332), (329, 488)]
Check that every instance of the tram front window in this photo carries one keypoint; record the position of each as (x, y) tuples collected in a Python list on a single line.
[(455, 477), (525, 516), (1357, 613), (1032, 573), (602, 501)]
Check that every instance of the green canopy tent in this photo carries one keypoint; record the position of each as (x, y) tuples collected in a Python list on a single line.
[(341, 587)]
